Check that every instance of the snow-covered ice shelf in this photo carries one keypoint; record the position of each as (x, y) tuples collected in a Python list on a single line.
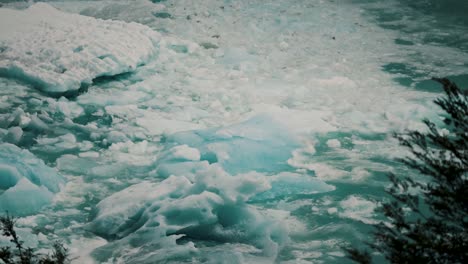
[(59, 52)]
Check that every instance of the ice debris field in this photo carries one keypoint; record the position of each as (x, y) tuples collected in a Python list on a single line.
[(212, 131)]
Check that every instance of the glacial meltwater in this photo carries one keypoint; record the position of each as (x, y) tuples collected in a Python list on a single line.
[(213, 131)]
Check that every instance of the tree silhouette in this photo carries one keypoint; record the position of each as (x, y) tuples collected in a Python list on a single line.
[(427, 219), (25, 255)]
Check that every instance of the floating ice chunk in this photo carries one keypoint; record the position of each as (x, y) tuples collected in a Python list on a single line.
[(14, 135), (259, 144), (120, 159), (113, 98), (287, 184), (115, 137), (26, 183), (69, 108), (359, 174), (30, 167), (358, 208), (58, 144), (322, 171), (18, 122), (59, 52), (25, 198), (75, 165), (299, 121), (156, 124), (302, 159), (184, 153), (211, 206), (12, 119), (140, 153), (333, 143), (10, 176), (37, 124), (187, 168)]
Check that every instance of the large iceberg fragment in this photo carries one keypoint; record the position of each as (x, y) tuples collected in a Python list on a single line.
[(26, 183), (167, 217), (59, 52)]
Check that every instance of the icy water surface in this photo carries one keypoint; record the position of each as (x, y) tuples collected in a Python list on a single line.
[(218, 132)]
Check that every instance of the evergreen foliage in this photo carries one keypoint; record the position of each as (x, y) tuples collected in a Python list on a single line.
[(427, 219), (19, 254)]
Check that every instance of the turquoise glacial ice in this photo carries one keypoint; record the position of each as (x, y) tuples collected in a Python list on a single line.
[(26, 183)]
